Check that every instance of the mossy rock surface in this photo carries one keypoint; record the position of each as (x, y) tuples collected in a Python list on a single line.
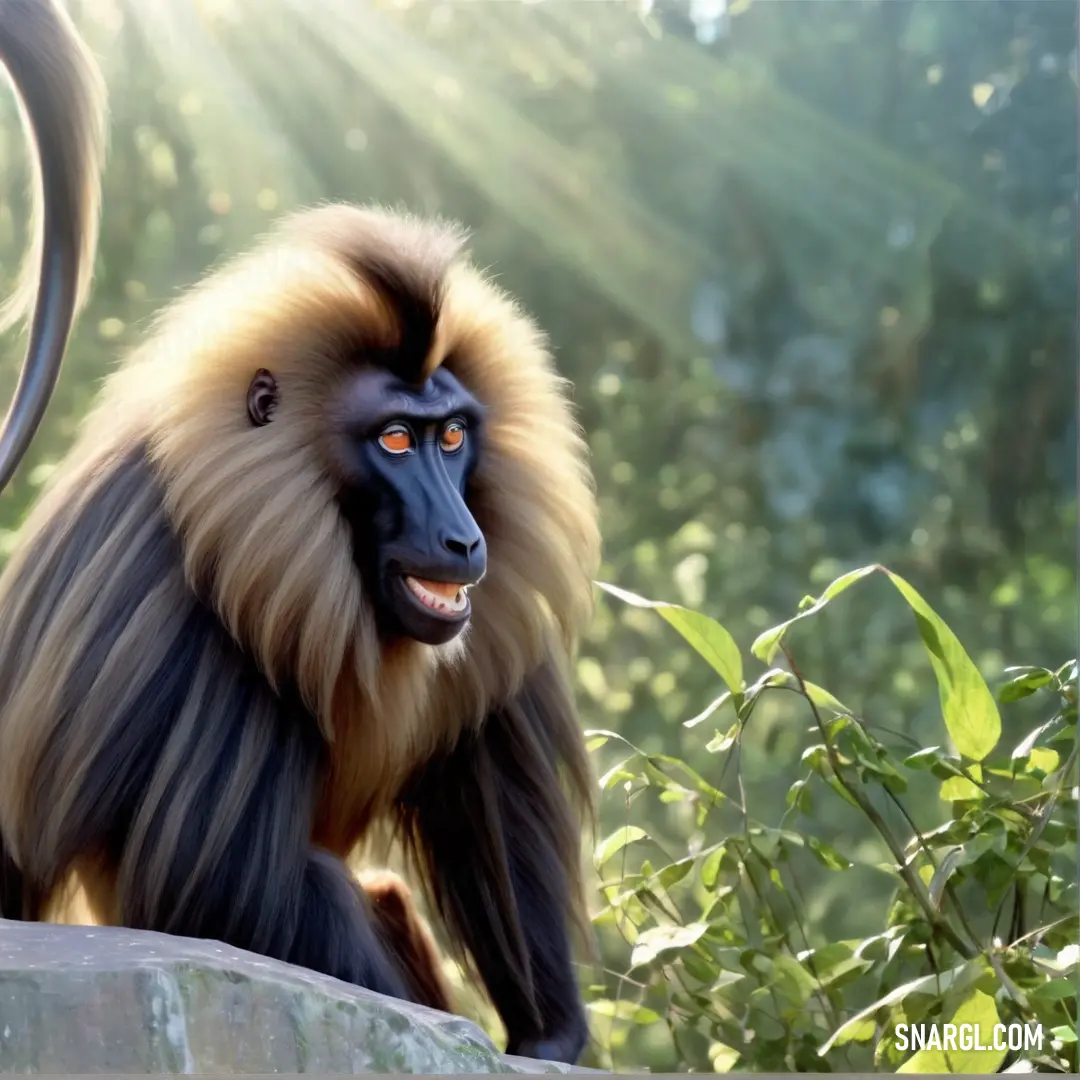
[(87, 999)]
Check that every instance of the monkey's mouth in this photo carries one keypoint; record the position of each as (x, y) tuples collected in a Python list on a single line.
[(442, 597)]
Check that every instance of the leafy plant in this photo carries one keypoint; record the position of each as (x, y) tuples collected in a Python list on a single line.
[(982, 923)]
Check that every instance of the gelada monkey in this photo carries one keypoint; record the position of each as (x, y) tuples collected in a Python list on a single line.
[(318, 560)]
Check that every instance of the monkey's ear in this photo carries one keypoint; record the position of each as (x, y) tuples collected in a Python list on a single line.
[(262, 397)]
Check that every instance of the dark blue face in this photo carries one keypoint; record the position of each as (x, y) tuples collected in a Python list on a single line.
[(408, 453)]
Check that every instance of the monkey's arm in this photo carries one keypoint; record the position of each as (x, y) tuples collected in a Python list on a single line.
[(407, 938), (501, 844)]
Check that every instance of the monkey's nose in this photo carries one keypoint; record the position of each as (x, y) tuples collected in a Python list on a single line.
[(469, 551), (462, 548)]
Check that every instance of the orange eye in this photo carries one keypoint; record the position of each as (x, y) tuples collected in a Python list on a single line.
[(453, 437), (396, 440)]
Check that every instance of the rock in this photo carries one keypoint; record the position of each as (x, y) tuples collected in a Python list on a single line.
[(86, 999)]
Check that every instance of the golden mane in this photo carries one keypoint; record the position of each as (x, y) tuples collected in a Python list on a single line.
[(255, 508)]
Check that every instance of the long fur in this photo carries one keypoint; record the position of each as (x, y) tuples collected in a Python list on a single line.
[(88, 613), (193, 695)]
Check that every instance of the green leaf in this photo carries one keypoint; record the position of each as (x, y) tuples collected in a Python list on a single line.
[(619, 772), (701, 970), (660, 939), (710, 868), (840, 790), (654, 769), (725, 979), (767, 643), (612, 845), (765, 841), (719, 743), (858, 1031), (595, 743), (1024, 685), (969, 709), (975, 848), (595, 733), (945, 870), (674, 793), (978, 1011), (827, 957), (845, 1032), (844, 972), (722, 1057), (778, 677), (792, 979), (1055, 990), (674, 872), (708, 638), (823, 699), (1024, 748), (817, 694), (925, 758), (945, 768), (961, 789), (798, 795), (1042, 760), (828, 855), (970, 712), (708, 710)]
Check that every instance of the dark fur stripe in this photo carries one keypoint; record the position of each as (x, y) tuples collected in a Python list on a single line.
[(45, 581), (415, 300), (94, 760), (406, 260), (335, 931), (231, 797), (17, 899)]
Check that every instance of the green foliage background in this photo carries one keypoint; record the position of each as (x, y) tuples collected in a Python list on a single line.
[(812, 269), (977, 844)]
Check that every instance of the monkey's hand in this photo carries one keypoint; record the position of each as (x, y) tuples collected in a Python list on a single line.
[(564, 1044)]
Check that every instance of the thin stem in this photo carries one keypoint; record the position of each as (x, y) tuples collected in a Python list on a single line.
[(1041, 821), (912, 880), (928, 852)]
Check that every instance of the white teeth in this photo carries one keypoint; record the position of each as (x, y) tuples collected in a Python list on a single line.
[(437, 603)]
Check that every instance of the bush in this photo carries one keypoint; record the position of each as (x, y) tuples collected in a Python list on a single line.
[(981, 926)]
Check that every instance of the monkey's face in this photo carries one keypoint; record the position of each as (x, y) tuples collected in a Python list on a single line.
[(406, 454)]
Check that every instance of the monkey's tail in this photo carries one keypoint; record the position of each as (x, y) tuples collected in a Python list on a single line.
[(61, 96)]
